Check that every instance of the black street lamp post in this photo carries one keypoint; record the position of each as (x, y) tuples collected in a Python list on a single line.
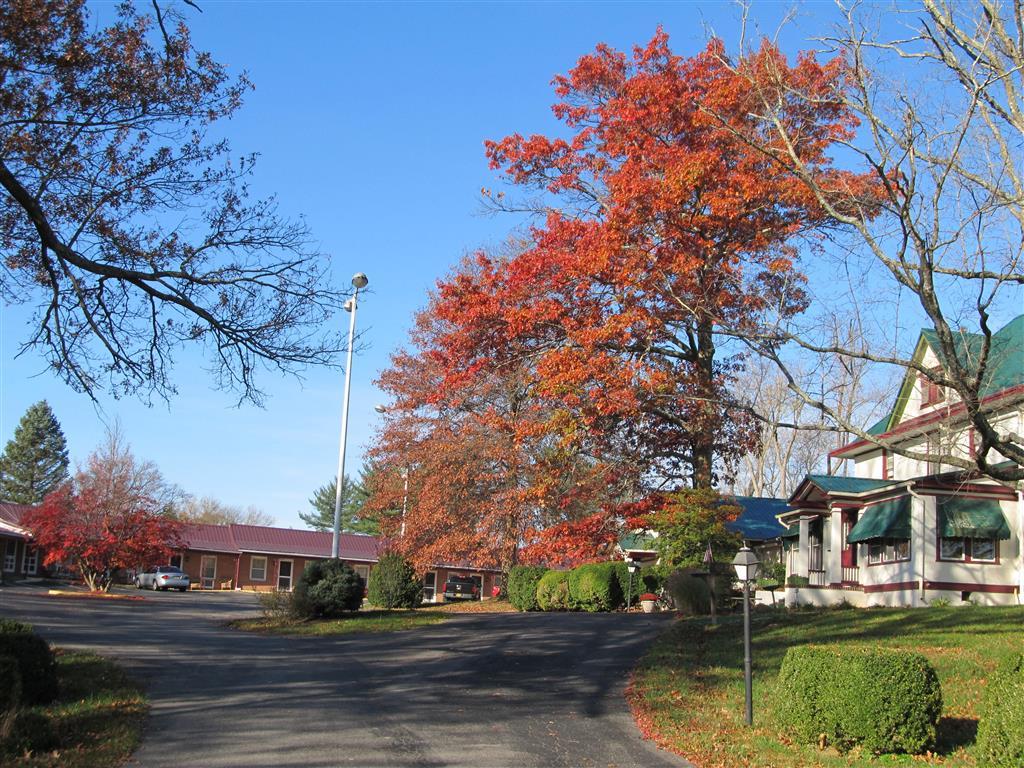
[(746, 564), (632, 566)]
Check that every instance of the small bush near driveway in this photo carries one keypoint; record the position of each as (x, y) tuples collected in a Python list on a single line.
[(882, 701), (595, 587), (327, 589), (553, 591), (522, 586), (393, 583), (1001, 728)]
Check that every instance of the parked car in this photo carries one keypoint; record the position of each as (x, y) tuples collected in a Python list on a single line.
[(163, 577), (461, 588)]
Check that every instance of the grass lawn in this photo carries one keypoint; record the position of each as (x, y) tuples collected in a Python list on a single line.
[(97, 719), (360, 621), (687, 692)]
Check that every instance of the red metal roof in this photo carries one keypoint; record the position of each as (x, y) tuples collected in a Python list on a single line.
[(281, 541), (10, 517)]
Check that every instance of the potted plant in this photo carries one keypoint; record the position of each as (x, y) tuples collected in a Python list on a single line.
[(647, 601)]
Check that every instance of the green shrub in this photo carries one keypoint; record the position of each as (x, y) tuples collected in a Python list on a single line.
[(327, 589), (10, 694), (691, 594), (1001, 725), (798, 581), (594, 587), (276, 605), (35, 661), (393, 583), (645, 580), (522, 586), (31, 731), (878, 700), (553, 591)]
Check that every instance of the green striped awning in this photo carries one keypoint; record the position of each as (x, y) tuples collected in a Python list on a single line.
[(971, 518), (888, 520)]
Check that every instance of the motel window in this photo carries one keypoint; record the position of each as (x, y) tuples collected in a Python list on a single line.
[(258, 569), (888, 551), (10, 555), (968, 550), (31, 561), (429, 585)]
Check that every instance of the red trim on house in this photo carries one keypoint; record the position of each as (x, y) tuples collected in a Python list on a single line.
[(922, 421), (896, 586), (959, 586)]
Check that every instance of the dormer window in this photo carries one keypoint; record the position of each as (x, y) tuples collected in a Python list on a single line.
[(931, 393)]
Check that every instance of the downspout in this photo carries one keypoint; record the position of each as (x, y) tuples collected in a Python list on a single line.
[(914, 494), (1020, 547), (238, 569)]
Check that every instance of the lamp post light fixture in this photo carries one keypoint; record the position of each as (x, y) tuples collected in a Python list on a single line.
[(746, 565), (359, 281), (632, 566)]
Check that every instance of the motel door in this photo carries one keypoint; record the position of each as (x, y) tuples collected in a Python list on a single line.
[(208, 572), (284, 575)]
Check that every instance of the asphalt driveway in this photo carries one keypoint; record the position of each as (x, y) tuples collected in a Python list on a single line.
[(479, 690)]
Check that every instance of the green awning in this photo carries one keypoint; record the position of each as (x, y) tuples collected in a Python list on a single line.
[(888, 520), (971, 518), (793, 532)]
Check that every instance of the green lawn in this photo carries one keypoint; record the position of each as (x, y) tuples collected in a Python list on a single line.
[(360, 621), (97, 719), (687, 692)]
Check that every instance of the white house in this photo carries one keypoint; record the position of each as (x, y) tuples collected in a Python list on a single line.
[(901, 532)]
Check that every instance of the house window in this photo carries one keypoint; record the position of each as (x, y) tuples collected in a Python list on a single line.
[(10, 555), (969, 550), (815, 561), (429, 586), (31, 561), (258, 569), (888, 551), (931, 393)]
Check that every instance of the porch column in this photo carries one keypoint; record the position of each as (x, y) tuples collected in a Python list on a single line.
[(800, 562)]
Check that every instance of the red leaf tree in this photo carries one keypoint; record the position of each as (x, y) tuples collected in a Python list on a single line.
[(114, 514)]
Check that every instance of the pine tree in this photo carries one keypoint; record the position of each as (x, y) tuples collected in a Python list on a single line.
[(353, 496), (35, 461)]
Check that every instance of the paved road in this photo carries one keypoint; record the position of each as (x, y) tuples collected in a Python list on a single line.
[(479, 690)]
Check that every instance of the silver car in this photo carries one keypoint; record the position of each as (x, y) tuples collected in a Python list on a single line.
[(163, 577)]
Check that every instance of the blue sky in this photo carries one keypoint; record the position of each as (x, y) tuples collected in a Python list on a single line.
[(370, 120)]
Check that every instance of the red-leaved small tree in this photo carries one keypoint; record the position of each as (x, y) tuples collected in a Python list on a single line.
[(113, 514)]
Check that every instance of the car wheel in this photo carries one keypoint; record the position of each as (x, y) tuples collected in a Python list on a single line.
[(138, 584), (155, 587), (182, 589)]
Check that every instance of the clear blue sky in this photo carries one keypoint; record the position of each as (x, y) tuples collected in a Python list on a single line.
[(370, 120)]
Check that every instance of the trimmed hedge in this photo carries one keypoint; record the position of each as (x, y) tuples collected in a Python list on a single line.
[(521, 586), (553, 591), (879, 700), (594, 587), (36, 664), (691, 594), (1001, 725), (10, 694), (327, 589), (393, 583)]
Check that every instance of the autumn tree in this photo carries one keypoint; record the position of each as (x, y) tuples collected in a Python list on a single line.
[(655, 224), (206, 509), (126, 221), (114, 513), (941, 108), (353, 497), (35, 460)]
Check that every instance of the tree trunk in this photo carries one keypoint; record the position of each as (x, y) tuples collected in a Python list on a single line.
[(703, 451)]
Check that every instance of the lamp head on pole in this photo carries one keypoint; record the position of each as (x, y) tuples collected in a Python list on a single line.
[(359, 281), (632, 565), (380, 408), (746, 564)]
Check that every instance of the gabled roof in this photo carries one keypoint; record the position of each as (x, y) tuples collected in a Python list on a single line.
[(1004, 371), (758, 521), (234, 539), (10, 519), (837, 485)]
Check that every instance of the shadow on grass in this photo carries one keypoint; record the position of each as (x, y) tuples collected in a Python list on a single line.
[(954, 733)]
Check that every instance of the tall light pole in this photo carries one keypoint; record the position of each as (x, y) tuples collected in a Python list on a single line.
[(359, 281), (746, 564)]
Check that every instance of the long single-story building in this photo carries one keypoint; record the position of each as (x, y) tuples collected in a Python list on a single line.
[(20, 557), (261, 557)]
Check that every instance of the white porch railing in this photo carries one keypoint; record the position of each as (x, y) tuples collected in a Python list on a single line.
[(851, 575), (816, 578)]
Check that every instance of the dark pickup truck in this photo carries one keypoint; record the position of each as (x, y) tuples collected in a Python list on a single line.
[(461, 588)]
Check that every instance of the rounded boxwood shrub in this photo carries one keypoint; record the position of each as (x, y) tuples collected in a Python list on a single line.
[(1001, 724), (393, 583), (35, 661), (327, 589), (881, 701), (553, 591), (691, 594), (521, 586), (594, 587)]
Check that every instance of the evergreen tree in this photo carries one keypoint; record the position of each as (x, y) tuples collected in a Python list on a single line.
[(353, 496), (35, 461)]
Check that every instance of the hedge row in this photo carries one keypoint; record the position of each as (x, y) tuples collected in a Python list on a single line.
[(879, 700), (592, 587), (1001, 725)]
